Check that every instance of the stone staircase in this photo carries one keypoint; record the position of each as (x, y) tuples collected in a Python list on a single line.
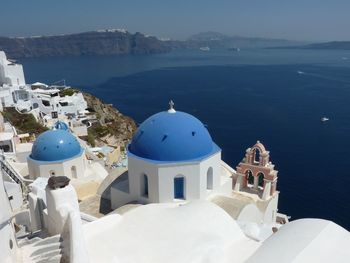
[(7, 169), (41, 250)]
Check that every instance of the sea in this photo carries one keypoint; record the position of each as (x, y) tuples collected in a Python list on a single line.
[(277, 96)]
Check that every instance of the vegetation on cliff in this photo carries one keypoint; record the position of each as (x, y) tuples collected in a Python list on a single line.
[(111, 127), (24, 123)]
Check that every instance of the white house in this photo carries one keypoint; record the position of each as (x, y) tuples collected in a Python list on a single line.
[(197, 213), (43, 101), (11, 81)]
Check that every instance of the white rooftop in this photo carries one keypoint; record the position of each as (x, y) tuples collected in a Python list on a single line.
[(195, 232)]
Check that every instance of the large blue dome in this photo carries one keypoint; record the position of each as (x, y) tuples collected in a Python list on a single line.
[(55, 145), (172, 136)]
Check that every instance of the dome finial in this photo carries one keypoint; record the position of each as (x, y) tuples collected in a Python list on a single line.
[(171, 108)]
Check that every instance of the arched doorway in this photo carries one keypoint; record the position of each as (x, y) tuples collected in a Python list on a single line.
[(210, 178), (179, 187)]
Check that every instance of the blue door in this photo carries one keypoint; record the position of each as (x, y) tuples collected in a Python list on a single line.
[(179, 188)]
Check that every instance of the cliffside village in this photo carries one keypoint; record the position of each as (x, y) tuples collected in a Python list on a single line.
[(165, 195)]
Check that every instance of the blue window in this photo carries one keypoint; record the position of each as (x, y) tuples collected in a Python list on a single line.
[(179, 184)]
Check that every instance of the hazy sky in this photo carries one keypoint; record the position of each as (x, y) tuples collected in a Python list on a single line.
[(317, 20)]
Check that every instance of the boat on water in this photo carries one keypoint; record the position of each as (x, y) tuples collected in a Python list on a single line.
[(204, 48), (324, 119), (237, 49), (300, 72)]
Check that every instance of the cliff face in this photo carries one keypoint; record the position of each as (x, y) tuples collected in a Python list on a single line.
[(112, 128), (115, 42), (88, 43)]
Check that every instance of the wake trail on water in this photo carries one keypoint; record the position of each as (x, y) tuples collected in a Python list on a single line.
[(323, 77)]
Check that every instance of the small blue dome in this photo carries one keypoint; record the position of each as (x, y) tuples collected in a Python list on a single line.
[(168, 136), (60, 125), (55, 145)]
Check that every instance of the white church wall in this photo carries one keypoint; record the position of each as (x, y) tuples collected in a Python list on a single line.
[(74, 168), (225, 186), (120, 198), (161, 178), (191, 174), (66, 168), (207, 187), (47, 170), (33, 169), (250, 213), (137, 168), (271, 210)]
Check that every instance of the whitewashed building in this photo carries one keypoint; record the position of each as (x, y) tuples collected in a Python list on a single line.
[(12, 81), (39, 99), (171, 158), (211, 214)]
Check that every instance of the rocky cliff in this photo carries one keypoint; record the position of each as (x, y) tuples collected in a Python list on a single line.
[(111, 127), (106, 42)]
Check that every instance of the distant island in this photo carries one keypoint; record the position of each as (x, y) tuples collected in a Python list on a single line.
[(120, 41), (345, 45), (335, 45), (218, 40)]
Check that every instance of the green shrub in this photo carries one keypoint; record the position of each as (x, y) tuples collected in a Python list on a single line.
[(24, 123)]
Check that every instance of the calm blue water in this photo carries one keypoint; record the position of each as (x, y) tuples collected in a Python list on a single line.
[(242, 97)]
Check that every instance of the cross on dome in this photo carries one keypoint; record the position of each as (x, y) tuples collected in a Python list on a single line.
[(171, 108)]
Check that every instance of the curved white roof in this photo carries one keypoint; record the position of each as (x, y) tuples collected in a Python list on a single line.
[(195, 232), (306, 240)]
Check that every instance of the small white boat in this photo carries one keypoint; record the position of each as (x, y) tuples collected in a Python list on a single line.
[(324, 119), (300, 72), (204, 48)]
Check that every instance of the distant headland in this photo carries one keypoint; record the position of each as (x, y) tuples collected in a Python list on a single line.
[(102, 42), (334, 45), (120, 41)]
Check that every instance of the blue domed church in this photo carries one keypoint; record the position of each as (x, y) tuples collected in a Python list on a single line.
[(56, 152), (172, 157)]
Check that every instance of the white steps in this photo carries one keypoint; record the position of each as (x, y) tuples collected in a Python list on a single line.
[(41, 250)]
